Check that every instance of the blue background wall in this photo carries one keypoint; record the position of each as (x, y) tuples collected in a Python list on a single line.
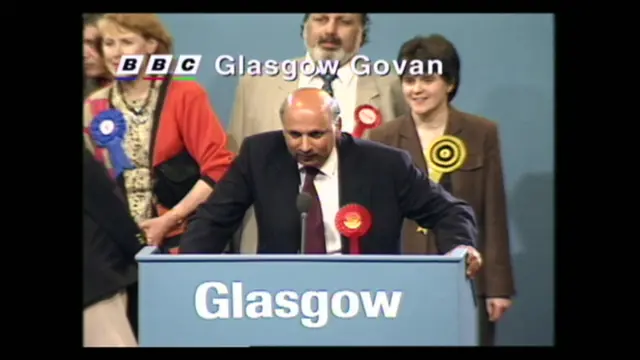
[(507, 76)]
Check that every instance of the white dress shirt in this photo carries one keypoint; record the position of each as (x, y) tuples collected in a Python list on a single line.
[(327, 186), (344, 90)]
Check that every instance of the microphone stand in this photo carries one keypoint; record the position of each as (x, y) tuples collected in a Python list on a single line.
[(303, 220)]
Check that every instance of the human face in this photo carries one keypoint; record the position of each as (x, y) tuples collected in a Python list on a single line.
[(93, 62), (425, 93), (310, 135), (118, 41), (333, 36)]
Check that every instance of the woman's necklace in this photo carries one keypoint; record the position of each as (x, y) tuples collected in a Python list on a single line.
[(138, 113)]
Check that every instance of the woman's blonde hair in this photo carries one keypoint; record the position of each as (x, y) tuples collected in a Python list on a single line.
[(148, 26)]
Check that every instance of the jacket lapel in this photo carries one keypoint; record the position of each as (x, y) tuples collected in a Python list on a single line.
[(410, 141), (454, 128), (367, 92), (285, 172), (157, 114)]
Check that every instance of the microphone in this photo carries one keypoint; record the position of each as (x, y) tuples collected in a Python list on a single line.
[(303, 203)]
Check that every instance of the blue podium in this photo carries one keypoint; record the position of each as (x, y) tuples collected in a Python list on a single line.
[(304, 300)]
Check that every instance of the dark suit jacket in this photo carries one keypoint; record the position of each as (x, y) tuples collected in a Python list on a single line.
[(479, 182), (111, 236), (378, 177)]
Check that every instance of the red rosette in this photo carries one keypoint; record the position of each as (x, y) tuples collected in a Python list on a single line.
[(353, 222), (367, 117)]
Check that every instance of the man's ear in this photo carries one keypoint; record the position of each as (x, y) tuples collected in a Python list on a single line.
[(338, 123)]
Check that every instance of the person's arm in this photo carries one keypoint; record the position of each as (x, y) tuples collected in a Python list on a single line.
[(220, 216), (428, 204), (205, 139), (103, 199), (498, 271)]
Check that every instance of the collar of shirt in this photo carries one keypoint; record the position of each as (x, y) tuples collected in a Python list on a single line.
[(330, 166), (345, 75)]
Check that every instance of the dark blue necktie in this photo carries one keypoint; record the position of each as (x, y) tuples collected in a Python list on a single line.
[(328, 80)]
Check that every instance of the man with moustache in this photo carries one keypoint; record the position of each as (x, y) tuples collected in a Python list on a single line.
[(311, 154), (327, 36)]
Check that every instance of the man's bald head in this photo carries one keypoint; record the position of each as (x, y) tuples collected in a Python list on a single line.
[(313, 101), (311, 123)]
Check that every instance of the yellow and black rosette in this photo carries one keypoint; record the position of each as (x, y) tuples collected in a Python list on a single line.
[(446, 154)]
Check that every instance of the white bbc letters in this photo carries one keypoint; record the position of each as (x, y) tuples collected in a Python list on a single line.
[(159, 65), (187, 65), (129, 65)]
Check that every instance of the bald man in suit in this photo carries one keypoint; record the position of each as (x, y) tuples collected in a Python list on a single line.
[(336, 36)]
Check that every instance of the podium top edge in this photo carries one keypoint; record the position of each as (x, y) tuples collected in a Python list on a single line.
[(149, 254)]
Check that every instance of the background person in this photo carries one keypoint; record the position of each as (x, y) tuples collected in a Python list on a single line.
[(479, 181), (96, 74), (174, 145), (111, 240), (327, 36)]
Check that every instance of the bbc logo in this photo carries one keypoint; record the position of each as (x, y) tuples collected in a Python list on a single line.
[(159, 65)]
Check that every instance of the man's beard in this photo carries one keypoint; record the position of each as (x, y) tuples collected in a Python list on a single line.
[(317, 53)]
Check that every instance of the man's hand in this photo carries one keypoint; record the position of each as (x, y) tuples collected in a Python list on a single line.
[(474, 259), (496, 307)]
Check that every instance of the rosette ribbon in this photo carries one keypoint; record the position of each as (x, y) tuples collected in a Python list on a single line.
[(107, 130), (353, 222)]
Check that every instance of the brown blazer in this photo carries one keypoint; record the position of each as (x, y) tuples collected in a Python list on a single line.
[(479, 181)]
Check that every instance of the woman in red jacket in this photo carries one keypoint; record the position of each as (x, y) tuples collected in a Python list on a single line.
[(161, 140)]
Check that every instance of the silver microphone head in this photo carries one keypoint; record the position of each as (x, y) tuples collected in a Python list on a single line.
[(304, 202)]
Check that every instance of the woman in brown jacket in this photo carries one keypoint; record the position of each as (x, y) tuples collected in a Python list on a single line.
[(462, 152)]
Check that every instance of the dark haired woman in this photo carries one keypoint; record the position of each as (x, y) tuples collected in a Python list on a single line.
[(462, 152)]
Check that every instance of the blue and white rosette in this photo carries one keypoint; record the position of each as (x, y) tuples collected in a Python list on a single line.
[(108, 130)]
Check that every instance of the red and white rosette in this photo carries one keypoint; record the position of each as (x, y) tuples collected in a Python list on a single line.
[(353, 222), (367, 117)]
